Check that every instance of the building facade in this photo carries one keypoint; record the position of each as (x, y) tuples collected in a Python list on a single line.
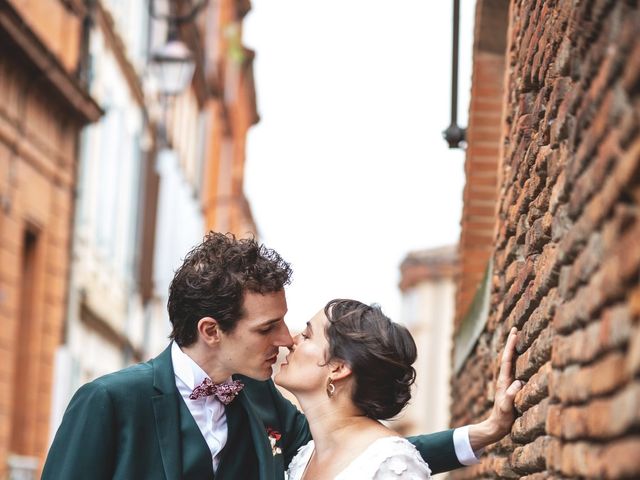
[(94, 221), (564, 263), (106, 327), (200, 171), (145, 194), (43, 106)]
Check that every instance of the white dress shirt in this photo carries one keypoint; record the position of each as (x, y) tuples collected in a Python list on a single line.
[(462, 445), (208, 412)]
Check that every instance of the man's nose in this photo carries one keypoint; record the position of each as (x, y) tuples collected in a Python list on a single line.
[(284, 337)]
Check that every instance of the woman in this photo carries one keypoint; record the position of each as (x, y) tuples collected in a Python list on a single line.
[(350, 368)]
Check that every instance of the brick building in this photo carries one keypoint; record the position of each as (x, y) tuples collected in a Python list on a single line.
[(552, 203), (43, 106)]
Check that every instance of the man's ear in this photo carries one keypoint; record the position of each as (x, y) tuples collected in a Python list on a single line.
[(339, 370), (209, 330)]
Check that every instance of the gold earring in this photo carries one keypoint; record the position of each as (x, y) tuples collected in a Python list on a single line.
[(331, 388)]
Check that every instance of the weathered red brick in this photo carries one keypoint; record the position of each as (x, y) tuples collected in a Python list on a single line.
[(532, 456), (554, 418), (538, 234), (523, 307), (535, 356), (541, 202), (632, 366), (578, 310), (537, 321), (534, 390), (610, 332), (584, 266), (512, 271), (531, 424), (620, 459), (524, 276), (562, 126), (521, 229), (561, 223), (580, 459), (594, 175), (547, 268), (577, 384), (615, 415)]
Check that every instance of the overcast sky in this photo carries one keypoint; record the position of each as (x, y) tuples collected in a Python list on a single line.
[(347, 171)]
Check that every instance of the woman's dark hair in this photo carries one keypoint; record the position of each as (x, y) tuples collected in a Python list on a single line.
[(213, 278), (378, 351)]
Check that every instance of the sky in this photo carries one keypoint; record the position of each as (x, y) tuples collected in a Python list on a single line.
[(347, 171)]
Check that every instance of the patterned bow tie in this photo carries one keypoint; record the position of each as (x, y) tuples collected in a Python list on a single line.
[(225, 392)]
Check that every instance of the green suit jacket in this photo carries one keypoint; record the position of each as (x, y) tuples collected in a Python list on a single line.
[(133, 424)]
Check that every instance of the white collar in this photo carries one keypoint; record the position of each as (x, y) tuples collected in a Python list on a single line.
[(185, 368)]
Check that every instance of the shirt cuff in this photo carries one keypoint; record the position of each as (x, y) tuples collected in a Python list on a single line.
[(464, 452)]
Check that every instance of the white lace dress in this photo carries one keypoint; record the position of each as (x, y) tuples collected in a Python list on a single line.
[(386, 458)]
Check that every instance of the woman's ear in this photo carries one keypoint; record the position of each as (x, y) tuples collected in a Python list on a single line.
[(339, 370), (209, 330)]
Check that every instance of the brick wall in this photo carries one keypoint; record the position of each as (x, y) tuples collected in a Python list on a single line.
[(566, 252)]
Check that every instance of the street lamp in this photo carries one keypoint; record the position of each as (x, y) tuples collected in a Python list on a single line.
[(173, 63), (171, 67)]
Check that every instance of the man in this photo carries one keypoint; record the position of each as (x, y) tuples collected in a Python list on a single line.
[(177, 416)]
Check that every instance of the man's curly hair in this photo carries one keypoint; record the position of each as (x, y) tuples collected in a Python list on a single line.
[(213, 279)]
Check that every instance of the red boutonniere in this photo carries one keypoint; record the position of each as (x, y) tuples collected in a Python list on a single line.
[(274, 437)]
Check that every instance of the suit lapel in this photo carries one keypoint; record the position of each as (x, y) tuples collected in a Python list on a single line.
[(167, 416)]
